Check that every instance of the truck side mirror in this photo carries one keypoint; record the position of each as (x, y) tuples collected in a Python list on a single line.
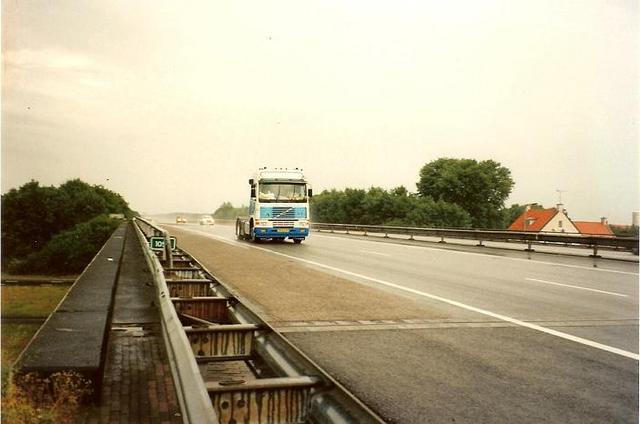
[(310, 192), (251, 181), (253, 191)]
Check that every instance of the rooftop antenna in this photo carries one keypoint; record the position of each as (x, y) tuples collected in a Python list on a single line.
[(560, 195)]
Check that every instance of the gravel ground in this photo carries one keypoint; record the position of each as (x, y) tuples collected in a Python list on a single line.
[(284, 290)]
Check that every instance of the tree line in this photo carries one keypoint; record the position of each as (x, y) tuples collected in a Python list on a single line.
[(452, 193), (57, 229), (228, 211)]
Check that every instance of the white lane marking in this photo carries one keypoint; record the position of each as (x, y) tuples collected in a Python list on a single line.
[(576, 287), (375, 253), (531, 326), (480, 254)]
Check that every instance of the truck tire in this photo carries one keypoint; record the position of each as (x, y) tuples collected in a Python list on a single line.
[(297, 241), (252, 234), (239, 234)]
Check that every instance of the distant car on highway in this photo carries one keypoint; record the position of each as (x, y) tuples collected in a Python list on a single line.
[(181, 220), (206, 220)]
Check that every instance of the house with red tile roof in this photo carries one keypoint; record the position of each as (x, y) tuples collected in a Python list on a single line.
[(594, 228), (544, 220), (556, 220)]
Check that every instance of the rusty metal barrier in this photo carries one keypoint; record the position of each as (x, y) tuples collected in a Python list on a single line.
[(222, 341), (189, 288), (261, 401), (211, 308)]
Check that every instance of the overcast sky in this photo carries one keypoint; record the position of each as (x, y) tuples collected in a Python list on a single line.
[(175, 104)]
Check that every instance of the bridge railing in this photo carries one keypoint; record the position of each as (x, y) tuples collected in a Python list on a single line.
[(561, 239)]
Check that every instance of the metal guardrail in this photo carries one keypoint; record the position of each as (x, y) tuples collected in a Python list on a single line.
[(192, 395), (529, 238), (300, 390)]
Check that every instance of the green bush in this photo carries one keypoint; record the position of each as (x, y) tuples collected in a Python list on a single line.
[(32, 214), (69, 251), (625, 230)]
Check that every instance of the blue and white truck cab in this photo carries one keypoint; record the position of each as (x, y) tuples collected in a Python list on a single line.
[(278, 206)]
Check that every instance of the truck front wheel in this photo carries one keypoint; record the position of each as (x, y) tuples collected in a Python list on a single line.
[(252, 233), (297, 241)]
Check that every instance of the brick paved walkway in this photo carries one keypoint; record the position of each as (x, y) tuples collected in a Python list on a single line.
[(137, 386)]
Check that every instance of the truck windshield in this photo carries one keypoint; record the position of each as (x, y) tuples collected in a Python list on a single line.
[(274, 192)]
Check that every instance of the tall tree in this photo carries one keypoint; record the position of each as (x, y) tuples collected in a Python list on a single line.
[(480, 188)]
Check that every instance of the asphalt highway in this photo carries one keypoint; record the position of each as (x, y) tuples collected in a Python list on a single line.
[(517, 337)]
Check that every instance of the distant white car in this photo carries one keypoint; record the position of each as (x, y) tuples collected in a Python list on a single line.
[(181, 220), (206, 220)]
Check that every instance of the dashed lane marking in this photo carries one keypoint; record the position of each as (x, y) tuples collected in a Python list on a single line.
[(576, 287), (373, 252), (425, 324)]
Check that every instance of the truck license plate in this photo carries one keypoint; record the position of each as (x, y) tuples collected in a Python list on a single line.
[(283, 230)]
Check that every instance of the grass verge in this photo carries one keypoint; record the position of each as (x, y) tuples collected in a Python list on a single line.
[(31, 301), (24, 302), (15, 337)]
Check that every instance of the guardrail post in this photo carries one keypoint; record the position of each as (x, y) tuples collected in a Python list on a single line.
[(411, 236), (163, 255), (480, 244), (529, 249), (442, 240), (595, 251), (167, 250)]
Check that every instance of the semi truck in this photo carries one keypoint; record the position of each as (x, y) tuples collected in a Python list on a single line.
[(278, 206)]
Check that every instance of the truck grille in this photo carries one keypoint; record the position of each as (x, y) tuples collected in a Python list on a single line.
[(283, 212)]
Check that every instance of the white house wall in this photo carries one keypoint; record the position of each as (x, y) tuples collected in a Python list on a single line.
[(560, 223)]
